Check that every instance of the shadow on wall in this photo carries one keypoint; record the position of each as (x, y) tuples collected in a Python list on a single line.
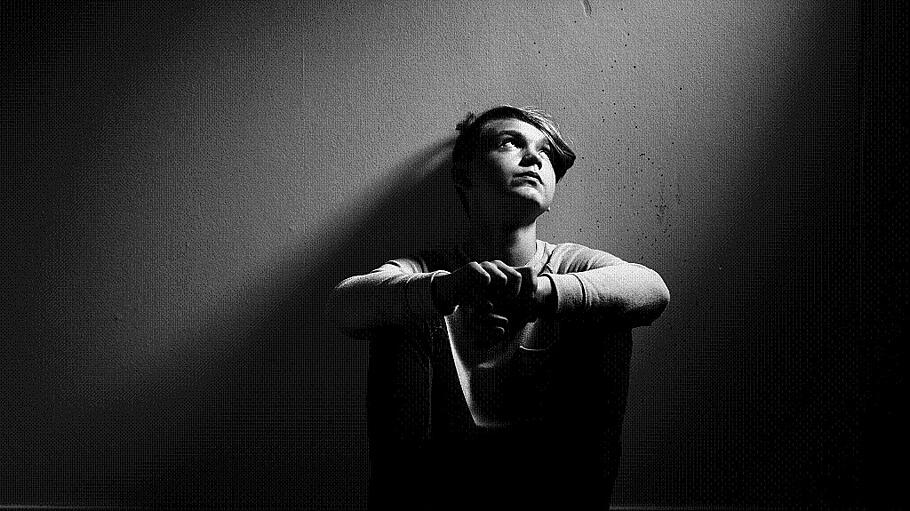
[(324, 371), (288, 423)]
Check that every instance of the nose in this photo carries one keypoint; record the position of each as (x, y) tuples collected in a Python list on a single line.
[(531, 157)]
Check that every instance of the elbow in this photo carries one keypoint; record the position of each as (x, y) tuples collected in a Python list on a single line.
[(651, 303), (661, 293), (337, 314), (661, 298), (333, 309)]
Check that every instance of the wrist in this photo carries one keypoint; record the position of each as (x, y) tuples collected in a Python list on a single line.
[(437, 291), (545, 296)]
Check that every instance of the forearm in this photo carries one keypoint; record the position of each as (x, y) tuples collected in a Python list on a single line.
[(630, 293), (385, 297)]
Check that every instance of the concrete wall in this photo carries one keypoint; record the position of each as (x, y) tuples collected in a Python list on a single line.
[(205, 174)]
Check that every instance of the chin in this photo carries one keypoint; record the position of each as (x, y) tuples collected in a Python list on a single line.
[(527, 209)]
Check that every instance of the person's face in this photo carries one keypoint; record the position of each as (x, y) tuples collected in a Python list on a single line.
[(513, 174)]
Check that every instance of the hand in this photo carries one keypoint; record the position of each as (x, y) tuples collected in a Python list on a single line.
[(500, 293), (475, 282), (519, 307)]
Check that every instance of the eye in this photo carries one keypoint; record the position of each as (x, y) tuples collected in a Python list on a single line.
[(507, 141), (547, 150)]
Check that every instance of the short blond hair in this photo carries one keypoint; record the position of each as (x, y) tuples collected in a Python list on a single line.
[(470, 136)]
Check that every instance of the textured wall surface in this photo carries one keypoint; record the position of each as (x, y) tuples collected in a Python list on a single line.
[(206, 174)]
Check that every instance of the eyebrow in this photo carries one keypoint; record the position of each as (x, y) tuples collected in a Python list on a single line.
[(514, 133)]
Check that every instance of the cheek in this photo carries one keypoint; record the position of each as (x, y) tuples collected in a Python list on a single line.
[(495, 169), (551, 188), (481, 171), (550, 178)]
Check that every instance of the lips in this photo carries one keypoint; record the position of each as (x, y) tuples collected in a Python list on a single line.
[(532, 174)]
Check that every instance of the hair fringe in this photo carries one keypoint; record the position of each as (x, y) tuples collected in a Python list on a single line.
[(466, 123)]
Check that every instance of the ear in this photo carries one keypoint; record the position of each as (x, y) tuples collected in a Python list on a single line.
[(460, 176), (462, 183)]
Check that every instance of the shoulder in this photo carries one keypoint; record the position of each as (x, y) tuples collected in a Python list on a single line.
[(573, 257)]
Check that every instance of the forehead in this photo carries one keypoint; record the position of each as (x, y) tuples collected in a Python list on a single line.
[(498, 126)]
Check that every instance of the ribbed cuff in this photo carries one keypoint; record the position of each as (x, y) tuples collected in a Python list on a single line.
[(570, 295), (549, 306), (420, 295)]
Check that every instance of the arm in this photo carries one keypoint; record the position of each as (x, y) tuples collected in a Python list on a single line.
[(400, 292), (592, 281), (396, 293)]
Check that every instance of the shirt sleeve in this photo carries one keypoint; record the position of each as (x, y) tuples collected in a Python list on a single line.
[(397, 293), (590, 280)]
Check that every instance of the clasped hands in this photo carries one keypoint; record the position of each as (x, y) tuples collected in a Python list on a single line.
[(503, 296)]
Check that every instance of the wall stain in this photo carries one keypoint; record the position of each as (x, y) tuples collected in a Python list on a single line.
[(587, 5)]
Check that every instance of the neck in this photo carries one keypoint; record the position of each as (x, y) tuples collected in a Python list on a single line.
[(513, 245)]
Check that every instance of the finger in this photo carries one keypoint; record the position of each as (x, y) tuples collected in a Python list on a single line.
[(513, 286), (477, 274), (484, 307), (474, 281), (498, 279), (498, 324)]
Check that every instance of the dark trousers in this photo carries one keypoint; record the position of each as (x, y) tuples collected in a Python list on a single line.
[(519, 468)]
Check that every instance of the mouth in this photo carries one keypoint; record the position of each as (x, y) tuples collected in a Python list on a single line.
[(531, 174)]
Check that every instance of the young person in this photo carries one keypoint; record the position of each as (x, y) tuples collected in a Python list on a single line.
[(499, 368)]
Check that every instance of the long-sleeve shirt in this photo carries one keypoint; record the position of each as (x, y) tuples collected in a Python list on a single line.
[(435, 388), (586, 282)]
